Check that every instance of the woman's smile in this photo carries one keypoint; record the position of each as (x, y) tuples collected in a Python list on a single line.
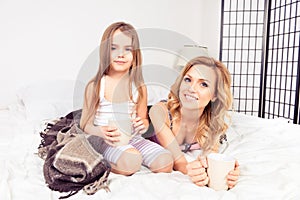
[(197, 87), (191, 97)]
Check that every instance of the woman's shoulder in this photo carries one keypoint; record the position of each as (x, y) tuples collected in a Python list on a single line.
[(159, 108), (159, 115)]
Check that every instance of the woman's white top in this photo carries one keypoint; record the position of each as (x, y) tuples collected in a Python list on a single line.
[(113, 111)]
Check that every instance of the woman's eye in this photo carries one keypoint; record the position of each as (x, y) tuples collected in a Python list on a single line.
[(113, 48), (203, 84), (186, 79)]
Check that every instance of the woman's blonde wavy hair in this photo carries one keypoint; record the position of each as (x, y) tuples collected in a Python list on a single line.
[(135, 71), (212, 121)]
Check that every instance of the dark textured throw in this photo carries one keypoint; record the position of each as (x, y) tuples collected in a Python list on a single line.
[(71, 162)]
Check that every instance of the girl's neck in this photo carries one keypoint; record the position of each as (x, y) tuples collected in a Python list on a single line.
[(117, 87), (118, 75)]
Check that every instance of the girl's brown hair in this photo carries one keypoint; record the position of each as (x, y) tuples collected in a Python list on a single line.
[(135, 71)]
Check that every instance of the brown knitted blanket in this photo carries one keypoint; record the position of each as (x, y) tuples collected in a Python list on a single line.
[(72, 163)]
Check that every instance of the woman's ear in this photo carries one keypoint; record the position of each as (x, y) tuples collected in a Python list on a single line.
[(214, 99)]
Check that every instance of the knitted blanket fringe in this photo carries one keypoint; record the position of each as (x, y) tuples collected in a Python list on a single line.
[(71, 162)]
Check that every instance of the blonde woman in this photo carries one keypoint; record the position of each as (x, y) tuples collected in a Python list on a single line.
[(193, 116), (110, 94)]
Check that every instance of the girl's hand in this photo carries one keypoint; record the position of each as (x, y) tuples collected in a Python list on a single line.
[(197, 172), (110, 135), (138, 126), (233, 176)]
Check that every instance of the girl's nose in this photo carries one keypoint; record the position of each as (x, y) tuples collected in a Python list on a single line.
[(121, 54)]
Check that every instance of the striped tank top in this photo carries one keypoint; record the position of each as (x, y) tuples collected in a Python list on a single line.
[(113, 111)]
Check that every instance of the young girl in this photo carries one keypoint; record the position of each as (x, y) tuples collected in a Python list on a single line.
[(193, 116), (111, 94)]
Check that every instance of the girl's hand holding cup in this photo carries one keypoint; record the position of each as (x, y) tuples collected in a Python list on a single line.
[(110, 134), (121, 133), (138, 126)]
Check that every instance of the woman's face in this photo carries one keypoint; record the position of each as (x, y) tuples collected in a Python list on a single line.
[(121, 52), (197, 87)]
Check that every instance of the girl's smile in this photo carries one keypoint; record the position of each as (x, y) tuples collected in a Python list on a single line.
[(119, 62)]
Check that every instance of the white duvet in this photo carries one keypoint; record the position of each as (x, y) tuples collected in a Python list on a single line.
[(268, 152)]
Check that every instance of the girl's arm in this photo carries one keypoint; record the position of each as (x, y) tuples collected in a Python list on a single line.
[(159, 118), (109, 134), (141, 122)]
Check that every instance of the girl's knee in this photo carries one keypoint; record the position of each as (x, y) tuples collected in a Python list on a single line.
[(163, 163), (129, 162)]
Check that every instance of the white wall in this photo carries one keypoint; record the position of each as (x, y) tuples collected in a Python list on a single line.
[(51, 39)]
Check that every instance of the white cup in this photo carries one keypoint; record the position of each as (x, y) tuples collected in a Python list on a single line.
[(219, 165), (125, 129)]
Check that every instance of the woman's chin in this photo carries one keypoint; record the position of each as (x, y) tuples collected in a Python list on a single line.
[(190, 104)]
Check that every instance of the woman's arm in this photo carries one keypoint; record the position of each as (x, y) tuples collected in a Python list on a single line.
[(233, 176), (159, 118)]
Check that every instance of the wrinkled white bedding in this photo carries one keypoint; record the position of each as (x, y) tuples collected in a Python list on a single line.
[(268, 152)]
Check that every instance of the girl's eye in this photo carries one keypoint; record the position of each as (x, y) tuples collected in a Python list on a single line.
[(186, 79), (128, 49), (113, 48)]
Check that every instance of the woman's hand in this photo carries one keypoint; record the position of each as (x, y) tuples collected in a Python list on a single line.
[(110, 134), (138, 126), (233, 176), (197, 172)]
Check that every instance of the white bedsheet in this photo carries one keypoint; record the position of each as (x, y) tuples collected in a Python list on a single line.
[(268, 152)]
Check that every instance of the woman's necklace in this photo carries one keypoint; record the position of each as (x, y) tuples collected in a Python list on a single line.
[(188, 142)]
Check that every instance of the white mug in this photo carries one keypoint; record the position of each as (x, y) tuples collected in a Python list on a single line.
[(219, 165), (125, 129)]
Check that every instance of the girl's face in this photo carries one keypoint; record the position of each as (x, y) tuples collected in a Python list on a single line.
[(121, 52), (197, 87)]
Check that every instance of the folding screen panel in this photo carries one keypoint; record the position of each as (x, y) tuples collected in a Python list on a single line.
[(260, 46), (282, 61)]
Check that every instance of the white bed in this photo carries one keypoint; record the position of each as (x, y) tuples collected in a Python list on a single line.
[(268, 152)]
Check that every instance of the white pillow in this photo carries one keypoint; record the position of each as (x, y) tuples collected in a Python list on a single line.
[(156, 93), (51, 99)]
